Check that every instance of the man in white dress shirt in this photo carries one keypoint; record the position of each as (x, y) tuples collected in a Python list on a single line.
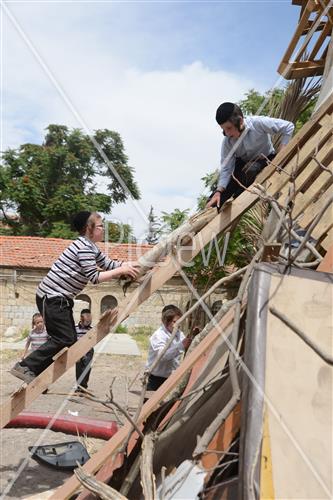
[(172, 357), (246, 149)]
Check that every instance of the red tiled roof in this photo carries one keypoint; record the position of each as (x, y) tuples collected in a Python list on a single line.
[(32, 252)]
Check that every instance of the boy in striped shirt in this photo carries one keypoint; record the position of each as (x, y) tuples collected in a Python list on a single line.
[(79, 264), (38, 335)]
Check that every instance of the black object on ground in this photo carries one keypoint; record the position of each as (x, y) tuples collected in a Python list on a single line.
[(62, 456)]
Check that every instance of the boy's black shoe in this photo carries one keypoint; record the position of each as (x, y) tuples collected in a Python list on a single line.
[(23, 373), (79, 390)]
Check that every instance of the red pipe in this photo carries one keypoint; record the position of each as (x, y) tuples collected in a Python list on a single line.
[(68, 424)]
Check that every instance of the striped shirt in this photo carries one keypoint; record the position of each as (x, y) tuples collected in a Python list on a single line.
[(76, 266), (81, 330), (37, 339)]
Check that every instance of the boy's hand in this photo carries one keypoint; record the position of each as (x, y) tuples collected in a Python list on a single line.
[(215, 200), (131, 269), (187, 342)]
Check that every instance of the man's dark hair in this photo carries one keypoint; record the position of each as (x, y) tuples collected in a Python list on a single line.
[(229, 112), (169, 307), (85, 311), (170, 314)]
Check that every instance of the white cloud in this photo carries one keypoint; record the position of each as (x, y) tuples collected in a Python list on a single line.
[(166, 118)]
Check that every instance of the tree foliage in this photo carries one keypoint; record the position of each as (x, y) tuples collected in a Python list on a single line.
[(46, 184), (174, 219), (153, 228), (120, 233)]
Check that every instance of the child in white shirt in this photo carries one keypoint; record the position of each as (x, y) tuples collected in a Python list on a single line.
[(38, 335), (172, 357)]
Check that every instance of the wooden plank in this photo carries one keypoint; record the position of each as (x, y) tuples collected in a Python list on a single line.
[(98, 459), (327, 241), (313, 70), (319, 186), (302, 24), (298, 161), (326, 31), (317, 121), (326, 265), (326, 221), (311, 170), (305, 25)]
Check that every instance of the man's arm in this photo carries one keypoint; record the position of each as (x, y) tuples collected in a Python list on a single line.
[(227, 164), (275, 126), (227, 167)]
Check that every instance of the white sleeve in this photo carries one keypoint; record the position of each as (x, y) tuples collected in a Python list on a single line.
[(227, 164), (274, 126)]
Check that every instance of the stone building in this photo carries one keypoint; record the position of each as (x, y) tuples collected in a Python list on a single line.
[(24, 261)]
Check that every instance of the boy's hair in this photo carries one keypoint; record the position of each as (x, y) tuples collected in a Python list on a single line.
[(169, 307), (229, 112), (170, 314), (85, 311), (85, 220), (34, 317)]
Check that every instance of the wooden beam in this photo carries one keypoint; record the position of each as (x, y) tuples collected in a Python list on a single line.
[(302, 24), (327, 242), (326, 32), (326, 265)]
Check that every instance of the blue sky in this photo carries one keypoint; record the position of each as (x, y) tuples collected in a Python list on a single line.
[(153, 71)]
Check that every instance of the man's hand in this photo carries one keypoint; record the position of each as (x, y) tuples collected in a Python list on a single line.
[(215, 199)]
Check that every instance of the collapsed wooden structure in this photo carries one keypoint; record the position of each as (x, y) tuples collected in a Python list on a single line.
[(298, 183)]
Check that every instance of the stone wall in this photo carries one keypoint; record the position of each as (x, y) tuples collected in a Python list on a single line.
[(17, 301)]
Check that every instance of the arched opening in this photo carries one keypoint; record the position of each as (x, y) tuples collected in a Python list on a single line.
[(216, 307), (108, 302), (84, 298)]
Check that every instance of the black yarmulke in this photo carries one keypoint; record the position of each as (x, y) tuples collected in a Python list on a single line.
[(224, 112), (80, 220)]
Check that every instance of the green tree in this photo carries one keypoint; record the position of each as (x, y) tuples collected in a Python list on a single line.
[(45, 184), (153, 228), (174, 219), (120, 233), (295, 102)]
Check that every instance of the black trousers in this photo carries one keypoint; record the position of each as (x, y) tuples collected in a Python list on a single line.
[(246, 174), (59, 322), (83, 369), (154, 382)]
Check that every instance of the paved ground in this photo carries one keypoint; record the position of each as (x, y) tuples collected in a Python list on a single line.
[(115, 343), (21, 476)]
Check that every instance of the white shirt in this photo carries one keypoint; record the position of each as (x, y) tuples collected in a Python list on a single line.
[(253, 141), (172, 357)]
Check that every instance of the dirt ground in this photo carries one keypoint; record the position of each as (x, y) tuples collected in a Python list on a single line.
[(20, 476)]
